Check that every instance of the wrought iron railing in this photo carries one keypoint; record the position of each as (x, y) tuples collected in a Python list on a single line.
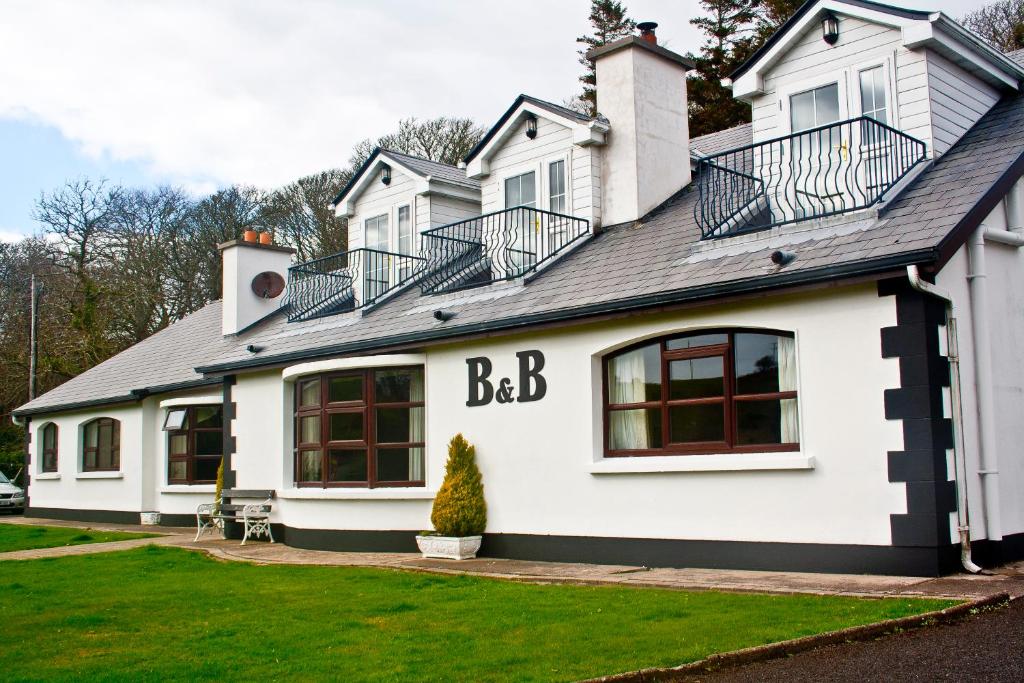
[(346, 281), (502, 245), (815, 173)]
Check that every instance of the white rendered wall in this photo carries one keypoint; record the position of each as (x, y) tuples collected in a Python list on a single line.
[(1005, 309), (70, 488), (646, 159), (537, 458)]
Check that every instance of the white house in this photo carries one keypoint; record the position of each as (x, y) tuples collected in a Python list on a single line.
[(791, 345)]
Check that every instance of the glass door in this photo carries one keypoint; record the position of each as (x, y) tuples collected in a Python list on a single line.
[(522, 226), (817, 158), (376, 257)]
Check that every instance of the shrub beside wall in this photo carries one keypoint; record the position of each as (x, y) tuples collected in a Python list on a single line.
[(459, 507)]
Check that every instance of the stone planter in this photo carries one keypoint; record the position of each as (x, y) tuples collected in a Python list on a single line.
[(150, 518), (449, 547)]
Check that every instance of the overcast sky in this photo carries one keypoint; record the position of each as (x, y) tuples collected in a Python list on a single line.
[(204, 93)]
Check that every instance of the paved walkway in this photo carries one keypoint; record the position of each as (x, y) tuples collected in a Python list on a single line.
[(1009, 578)]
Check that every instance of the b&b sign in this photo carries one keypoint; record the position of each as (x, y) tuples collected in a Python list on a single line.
[(532, 385)]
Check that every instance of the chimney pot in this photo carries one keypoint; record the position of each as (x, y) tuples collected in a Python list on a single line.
[(250, 236), (266, 238), (647, 31)]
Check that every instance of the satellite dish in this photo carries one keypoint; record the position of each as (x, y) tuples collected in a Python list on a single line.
[(268, 285)]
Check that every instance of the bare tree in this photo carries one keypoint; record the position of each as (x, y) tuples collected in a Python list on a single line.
[(1001, 24), (444, 139), (302, 217)]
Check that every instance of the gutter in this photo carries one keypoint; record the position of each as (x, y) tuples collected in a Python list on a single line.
[(134, 396), (752, 285)]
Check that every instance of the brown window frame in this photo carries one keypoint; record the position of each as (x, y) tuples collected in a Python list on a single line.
[(368, 407), (115, 445), (729, 397), (191, 433), (49, 455)]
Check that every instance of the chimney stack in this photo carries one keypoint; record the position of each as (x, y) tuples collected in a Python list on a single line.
[(255, 275), (647, 31), (641, 90)]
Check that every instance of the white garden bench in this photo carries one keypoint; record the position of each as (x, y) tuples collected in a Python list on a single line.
[(254, 517)]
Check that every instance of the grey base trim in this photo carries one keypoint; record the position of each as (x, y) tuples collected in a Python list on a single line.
[(74, 515), (176, 519), (655, 552)]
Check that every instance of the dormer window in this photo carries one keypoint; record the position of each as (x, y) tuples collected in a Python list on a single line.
[(813, 108), (377, 232), (521, 190), (872, 94), (556, 187)]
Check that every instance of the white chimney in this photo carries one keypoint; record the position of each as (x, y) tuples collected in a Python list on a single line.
[(255, 275), (641, 90)]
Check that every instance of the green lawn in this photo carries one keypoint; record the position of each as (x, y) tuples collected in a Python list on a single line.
[(25, 537), (159, 613)]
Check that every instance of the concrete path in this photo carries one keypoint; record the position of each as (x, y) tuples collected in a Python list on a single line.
[(1009, 578)]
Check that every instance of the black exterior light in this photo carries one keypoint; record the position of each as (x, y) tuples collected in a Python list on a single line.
[(385, 174), (531, 126), (830, 28)]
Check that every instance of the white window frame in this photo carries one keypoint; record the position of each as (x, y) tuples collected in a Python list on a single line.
[(891, 104), (377, 217), (536, 168), (785, 93), (565, 158)]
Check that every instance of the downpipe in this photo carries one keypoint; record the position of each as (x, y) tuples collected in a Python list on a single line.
[(956, 405)]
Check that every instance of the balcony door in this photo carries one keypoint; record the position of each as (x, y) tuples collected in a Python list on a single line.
[(519, 240), (376, 257), (818, 157)]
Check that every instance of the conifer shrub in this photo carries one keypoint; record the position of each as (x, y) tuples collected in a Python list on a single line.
[(459, 507), (220, 487)]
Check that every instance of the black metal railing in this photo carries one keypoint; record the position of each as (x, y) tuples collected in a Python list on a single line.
[(346, 281), (815, 173), (496, 246)]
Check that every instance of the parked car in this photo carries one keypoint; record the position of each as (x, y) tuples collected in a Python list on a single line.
[(11, 497)]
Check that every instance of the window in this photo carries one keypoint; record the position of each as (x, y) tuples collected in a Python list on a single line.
[(813, 108), (377, 232), (49, 463), (195, 444), (101, 448), (405, 234), (521, 190), (708, 392), (556, 187), (872, 94), (360, 428)]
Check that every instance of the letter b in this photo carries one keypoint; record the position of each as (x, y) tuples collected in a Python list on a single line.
[(480, 390), (532, 385)]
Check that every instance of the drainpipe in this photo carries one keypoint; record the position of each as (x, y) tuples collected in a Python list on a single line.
[(959, 456)]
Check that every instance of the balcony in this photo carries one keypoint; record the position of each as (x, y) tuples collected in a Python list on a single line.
[(497, 246), (346, 281), (824, 171)]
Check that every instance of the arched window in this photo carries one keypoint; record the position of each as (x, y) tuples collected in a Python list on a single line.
[(49, 450), (716, 391), (101, 448)]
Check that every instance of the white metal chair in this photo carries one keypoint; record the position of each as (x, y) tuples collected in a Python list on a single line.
[(256, 518), (206, 518)]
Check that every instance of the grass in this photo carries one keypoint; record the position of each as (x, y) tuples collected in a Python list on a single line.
[(158, 613), (26, 537)]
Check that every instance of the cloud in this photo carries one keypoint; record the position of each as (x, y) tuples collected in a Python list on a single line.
[(262, 92), (11, 235)]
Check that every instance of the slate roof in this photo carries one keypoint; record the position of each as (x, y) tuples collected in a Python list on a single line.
[(663, 261), (164, 361), (656, 262), (433, 169), (722, 141), (418, 165)]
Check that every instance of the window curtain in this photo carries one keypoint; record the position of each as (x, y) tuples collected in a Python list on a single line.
[(628, 428), (416, 420), (787, 382)]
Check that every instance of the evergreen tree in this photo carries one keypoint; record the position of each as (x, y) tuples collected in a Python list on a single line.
[(735, 29), (609, 21)]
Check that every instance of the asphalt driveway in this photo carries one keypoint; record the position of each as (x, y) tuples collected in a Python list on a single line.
[(985, 647)]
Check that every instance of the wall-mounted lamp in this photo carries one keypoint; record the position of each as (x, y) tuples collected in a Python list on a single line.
[(531, 126), (385, 174), (830, 28)]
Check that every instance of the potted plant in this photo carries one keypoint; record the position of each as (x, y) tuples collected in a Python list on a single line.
[(459, 514)]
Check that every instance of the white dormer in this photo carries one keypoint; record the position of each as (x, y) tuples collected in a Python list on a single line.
[(919, 72), (543, 156), (394, 197)]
